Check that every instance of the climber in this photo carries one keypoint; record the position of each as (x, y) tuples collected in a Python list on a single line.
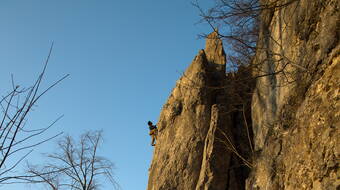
[(153, 132)]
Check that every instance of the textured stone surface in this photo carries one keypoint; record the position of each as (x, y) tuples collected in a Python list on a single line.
[(296, 113), (216, 161), (294, 110), (184, 124)]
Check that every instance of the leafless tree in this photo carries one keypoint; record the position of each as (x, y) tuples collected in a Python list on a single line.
[(238, 23), (17, 139), (75, 165)]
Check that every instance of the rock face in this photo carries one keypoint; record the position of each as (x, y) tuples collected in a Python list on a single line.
[(187, 155), (295, 112)]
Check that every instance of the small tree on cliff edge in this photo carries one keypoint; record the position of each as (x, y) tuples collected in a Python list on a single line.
[(75, 165), (238, 23)]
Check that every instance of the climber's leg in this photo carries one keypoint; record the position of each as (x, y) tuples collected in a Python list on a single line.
[(153, 140)]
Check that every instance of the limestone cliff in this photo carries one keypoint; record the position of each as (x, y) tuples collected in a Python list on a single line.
[(295, 111), (187, 154)]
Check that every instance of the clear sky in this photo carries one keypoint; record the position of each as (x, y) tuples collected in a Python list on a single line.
[(123, 57)]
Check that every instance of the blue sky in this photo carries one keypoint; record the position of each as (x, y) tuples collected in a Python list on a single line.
[(123, 57)]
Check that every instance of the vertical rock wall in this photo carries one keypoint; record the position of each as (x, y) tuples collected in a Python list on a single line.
[(295, 111), (187, 154)]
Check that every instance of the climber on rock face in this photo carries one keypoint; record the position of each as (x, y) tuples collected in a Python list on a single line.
[(153, 132)]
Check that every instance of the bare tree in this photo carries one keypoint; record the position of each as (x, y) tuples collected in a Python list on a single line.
[(238, 23), (16, 139), (75, 165)]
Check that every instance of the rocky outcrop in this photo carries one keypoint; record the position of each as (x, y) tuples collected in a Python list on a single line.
[(294, 111), (295, 108), (188, 154)]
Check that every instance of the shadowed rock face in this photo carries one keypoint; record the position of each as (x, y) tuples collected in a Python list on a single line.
[(183, 155)]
